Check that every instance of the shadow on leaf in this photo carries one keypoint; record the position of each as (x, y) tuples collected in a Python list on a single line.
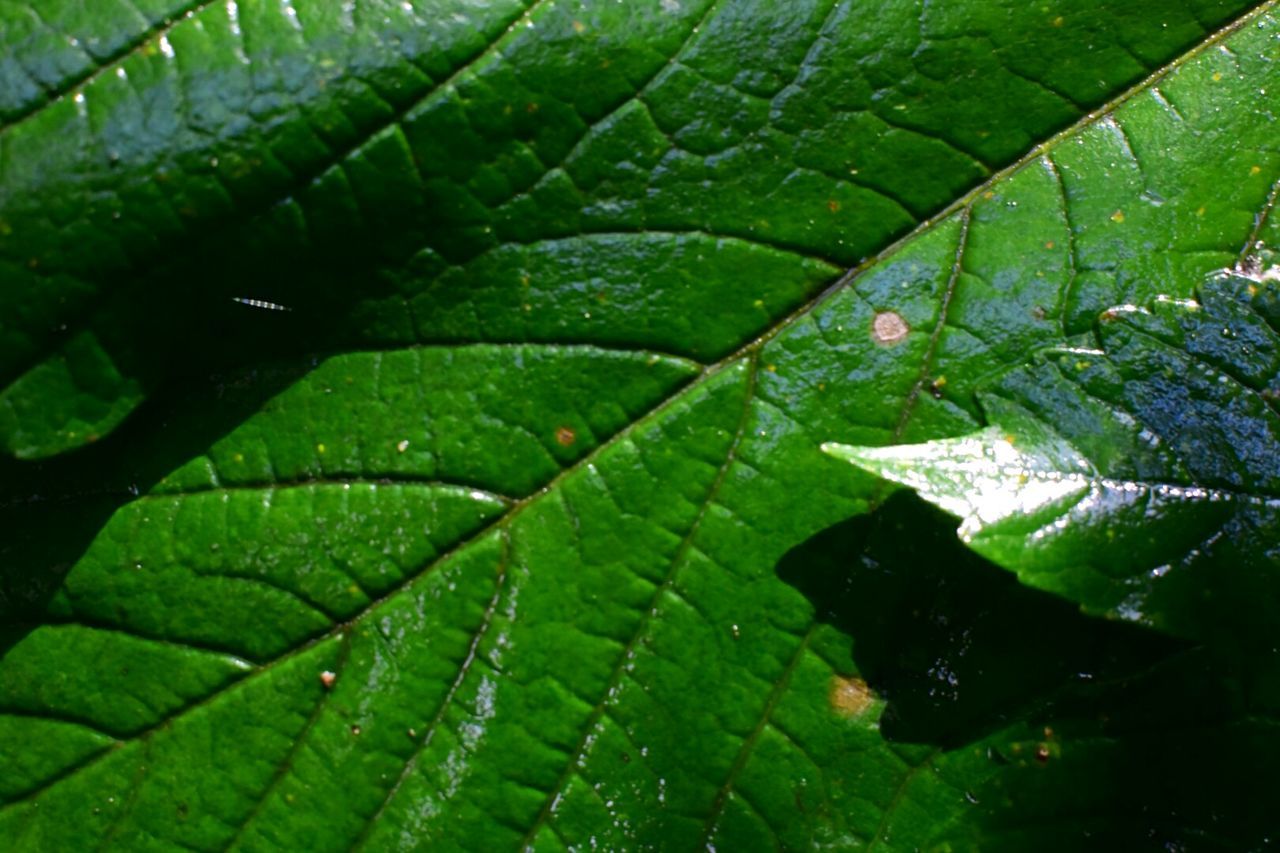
[(956, 645), (52, 509), (1064, 731)]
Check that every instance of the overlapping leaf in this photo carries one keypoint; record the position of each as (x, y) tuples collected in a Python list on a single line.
[(1138, 479)]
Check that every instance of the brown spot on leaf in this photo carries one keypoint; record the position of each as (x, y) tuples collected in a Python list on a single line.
[(849, 697), (888, 328), (565, 437)]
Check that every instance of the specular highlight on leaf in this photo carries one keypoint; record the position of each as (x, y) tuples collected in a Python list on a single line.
[(1139, 478)]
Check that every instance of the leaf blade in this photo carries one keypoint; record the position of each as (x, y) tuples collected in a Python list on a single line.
[(762, 507)]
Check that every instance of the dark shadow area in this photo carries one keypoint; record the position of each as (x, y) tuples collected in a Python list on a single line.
[(955, 644), (51, 510), (1092, 734), (205, 362)]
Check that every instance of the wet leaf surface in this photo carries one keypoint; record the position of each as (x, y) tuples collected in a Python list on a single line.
[(411, 417)]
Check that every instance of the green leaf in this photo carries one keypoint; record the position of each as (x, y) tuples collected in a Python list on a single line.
[(1139, 479), (478, 543), (204, 153)]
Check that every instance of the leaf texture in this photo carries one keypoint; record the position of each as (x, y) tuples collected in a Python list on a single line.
[(478, 544)]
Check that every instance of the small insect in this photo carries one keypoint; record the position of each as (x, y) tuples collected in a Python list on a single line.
[(260, 303)]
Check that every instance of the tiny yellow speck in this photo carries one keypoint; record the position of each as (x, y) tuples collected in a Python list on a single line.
[(1200, 212), (1255, 170), (237, 457), (403, 446), (772, 368), (1050, 244), (1059, 21), (1118, 216), (320, 448), (988, 195), (822, 386), (759, 303), (1217, 76), (579, 27)]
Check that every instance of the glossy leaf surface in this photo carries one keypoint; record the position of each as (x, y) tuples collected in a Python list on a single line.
[(474, 538), (1139, 479)]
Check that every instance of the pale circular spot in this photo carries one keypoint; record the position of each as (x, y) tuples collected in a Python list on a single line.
[(849, 697), (888, 328)]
